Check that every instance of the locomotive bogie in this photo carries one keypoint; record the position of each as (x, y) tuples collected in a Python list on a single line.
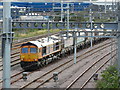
[(29, 65)]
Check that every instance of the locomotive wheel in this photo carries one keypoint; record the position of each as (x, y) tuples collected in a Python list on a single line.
[(46, 62), (43, 62)]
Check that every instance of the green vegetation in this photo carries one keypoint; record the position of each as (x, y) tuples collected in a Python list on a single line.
[(104, 20), (32, 32), (109, 79), (77, 16), (81, 16)]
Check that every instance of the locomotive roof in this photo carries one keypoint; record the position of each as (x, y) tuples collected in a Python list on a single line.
[(37, 43), (43, 42), (55, 37)]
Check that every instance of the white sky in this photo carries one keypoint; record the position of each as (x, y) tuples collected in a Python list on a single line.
[(102, 2), (106, 0), (58, 0)]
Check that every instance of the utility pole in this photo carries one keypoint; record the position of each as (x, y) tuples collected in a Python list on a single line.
[(61, 10), (74, 45), (6, 38), (105, 6), (91, 22), (48, 29), (67, 18), (118, 60)]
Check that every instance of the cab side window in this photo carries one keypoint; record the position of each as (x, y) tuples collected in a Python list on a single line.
[(44, 51), (54, 47), (57, 46)]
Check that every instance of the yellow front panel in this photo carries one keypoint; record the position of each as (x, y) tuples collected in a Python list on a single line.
[(29, 57)]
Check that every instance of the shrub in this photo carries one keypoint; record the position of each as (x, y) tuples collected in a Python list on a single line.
[(109, 79)]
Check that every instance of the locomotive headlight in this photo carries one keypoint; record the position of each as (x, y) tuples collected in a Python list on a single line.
[(35, 59), (22, 59)]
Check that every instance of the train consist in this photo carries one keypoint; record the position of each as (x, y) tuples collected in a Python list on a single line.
[(40, 52)]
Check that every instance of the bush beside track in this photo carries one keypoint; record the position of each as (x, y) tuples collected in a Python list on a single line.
[(109, 79)]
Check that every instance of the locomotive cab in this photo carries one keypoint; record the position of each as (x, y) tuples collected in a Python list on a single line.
[(28, 55)]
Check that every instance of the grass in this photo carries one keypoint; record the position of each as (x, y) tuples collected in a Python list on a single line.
[(32, 32)]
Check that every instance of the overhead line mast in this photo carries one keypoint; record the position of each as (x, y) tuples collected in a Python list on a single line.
[(6, 41)]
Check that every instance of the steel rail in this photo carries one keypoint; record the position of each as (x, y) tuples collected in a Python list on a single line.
[(96, 72), (29, 73), (59, 67), (106, 45), (51, 78), (71, 84)]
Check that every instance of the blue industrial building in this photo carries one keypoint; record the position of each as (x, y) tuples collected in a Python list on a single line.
[(24, 8), (76, 6)]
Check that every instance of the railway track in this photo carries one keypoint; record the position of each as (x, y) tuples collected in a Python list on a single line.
[(89, 78), (61, 71), (14, 55), (43, 75), (88, 74), (17, 62), (15, 59), (50, 78)]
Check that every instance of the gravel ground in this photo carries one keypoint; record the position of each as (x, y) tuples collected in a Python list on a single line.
[(69, 74), (63, 77), (92, 83)]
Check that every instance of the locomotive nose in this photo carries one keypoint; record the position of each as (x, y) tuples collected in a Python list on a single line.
[(29, 57), (29, 54)]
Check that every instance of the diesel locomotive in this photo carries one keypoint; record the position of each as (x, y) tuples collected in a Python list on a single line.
[(35, 54)]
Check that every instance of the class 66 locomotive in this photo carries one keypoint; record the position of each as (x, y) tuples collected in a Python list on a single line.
[(35, 54)]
